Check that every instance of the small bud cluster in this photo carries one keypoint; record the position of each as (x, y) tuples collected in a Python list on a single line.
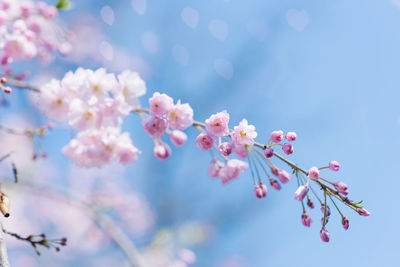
[(40, 240), (166, 117)]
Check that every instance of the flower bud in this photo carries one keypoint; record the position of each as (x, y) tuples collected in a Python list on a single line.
[(334, 165), (328, 210), (306, 219), (225, 148), (342, 188), (363, 212), (290, 136), (324, 235), (313, 173), (3, 80), (276, 136), (324, 222), (7, 90), (177, 137), (4, 205), (214, 168), (268, 152), (284, 176), (258, 192), (310, 203), (275, 184), (205, 141), (287, 149), (301, 192), (162, 151), (345, 223)]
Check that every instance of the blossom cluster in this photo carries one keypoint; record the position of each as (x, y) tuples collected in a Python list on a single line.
[(241, 140), (166, 117), (28, 30), (95, 103)]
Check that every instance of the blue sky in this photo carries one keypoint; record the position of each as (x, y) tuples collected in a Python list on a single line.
[(327, 70)]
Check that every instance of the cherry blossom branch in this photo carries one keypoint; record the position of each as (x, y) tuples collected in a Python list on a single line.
[(104, 221), (19, 84), (39, 240)]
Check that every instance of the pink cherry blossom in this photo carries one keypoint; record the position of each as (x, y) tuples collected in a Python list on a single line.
[(214, 168), (180, 116), (131, 87), (290, 136), (276, 136), (334, 165), (231, 170), (240, 150), (205, 141), (217, 124), (54, 100), (313, 173), (244, 134), (160, 104), (155, 126), (178, 137)]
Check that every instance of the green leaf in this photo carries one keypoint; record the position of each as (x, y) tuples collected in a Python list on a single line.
[(63, 4)]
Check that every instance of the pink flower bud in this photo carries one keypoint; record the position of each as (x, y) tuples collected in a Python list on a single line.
[(326, 220), (301, 192), (284, 176), (345, 223), (225, 148), (276, 136), (290, 136), (205, 141), (324, 235), (275, 184), (264, 188), (155, 126), (306, 219), (363, 212), (287, 149), (334, 165), (3, 80), (213, 170), (7, 90), (258, 192), (275, 171), (162, 151), (342, 188), (310, 203), (268, 152), (328, 210), (177, 137), (313, 173)]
